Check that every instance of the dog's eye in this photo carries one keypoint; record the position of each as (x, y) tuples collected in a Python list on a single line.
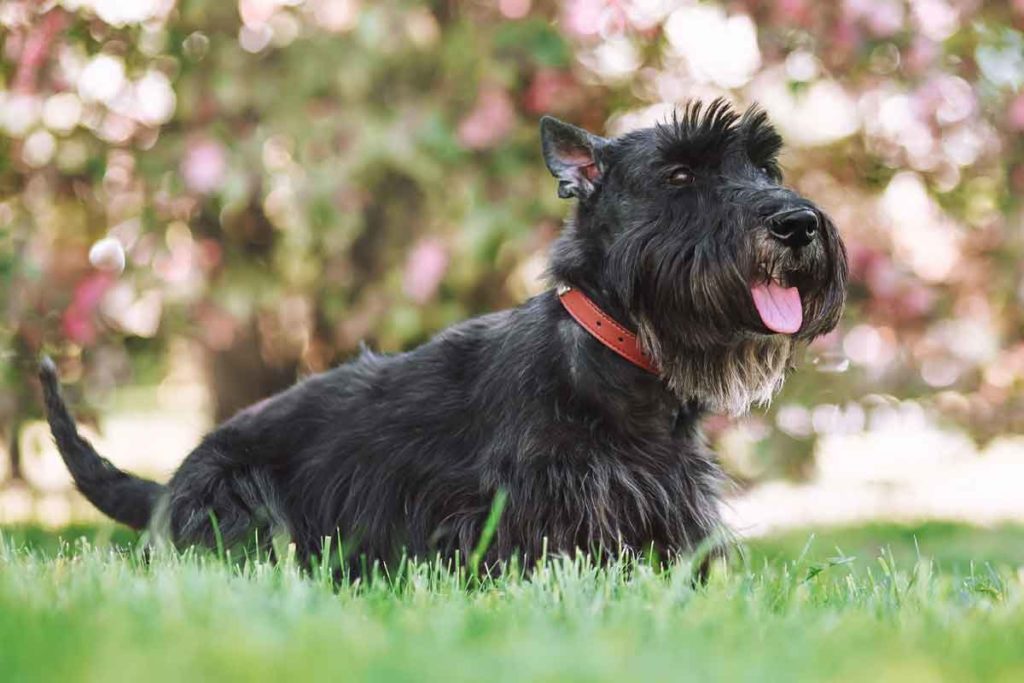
[(680, 175)]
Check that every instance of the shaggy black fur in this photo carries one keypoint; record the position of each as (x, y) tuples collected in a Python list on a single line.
[(406, 452)]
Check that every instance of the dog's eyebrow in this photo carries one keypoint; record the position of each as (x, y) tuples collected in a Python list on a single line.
[(698, 135), (762, 141)]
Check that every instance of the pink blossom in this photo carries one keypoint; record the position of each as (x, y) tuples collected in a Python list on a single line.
[(514, 9), (948, 98), (883, 278), (490, 120), (1015, 113), (862, 259), (882, 18), (256, 12), (916, 301), (36, 49), (936, 19), (175, 266), (886, 19), (583, 17), (845, 35), (828, 341), (548, 90), (793, 11), (90, 290), (209, 254), (78, 327), (424, 270), (77, 322), (218, 327), (921, 55), (205, 165)]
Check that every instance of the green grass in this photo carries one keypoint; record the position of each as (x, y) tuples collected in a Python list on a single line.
[(877, 608)]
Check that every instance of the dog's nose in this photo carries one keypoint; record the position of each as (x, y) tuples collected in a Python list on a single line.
[(794, 228)]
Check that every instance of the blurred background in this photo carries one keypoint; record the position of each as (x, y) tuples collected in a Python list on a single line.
[(201, 201)]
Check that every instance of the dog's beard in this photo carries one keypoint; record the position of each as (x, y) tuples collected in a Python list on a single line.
[(720, 360), (696, 317), (724, 379)]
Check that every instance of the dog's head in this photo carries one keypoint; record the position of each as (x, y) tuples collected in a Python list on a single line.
[(687, 229)]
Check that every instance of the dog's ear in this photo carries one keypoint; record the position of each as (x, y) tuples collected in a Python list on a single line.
[(571, 154)]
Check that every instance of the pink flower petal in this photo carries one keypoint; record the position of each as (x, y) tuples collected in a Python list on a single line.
[(424, 270)]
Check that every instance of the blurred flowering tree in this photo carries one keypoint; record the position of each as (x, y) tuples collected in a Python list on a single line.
[(277, 180)]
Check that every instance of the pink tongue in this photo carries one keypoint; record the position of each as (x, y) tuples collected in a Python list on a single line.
[(779, 307)]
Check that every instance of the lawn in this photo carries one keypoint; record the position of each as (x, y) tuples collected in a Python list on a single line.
[(933, 602)]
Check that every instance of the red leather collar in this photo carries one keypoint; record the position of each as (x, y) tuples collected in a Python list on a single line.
[(603, 327)]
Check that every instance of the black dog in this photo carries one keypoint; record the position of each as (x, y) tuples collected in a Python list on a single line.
[(682, 232)]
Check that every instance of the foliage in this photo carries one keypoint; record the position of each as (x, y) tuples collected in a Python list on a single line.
[(91, 611), (291, 177)]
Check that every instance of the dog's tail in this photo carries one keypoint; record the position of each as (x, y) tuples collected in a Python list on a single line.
[(122, 496)]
